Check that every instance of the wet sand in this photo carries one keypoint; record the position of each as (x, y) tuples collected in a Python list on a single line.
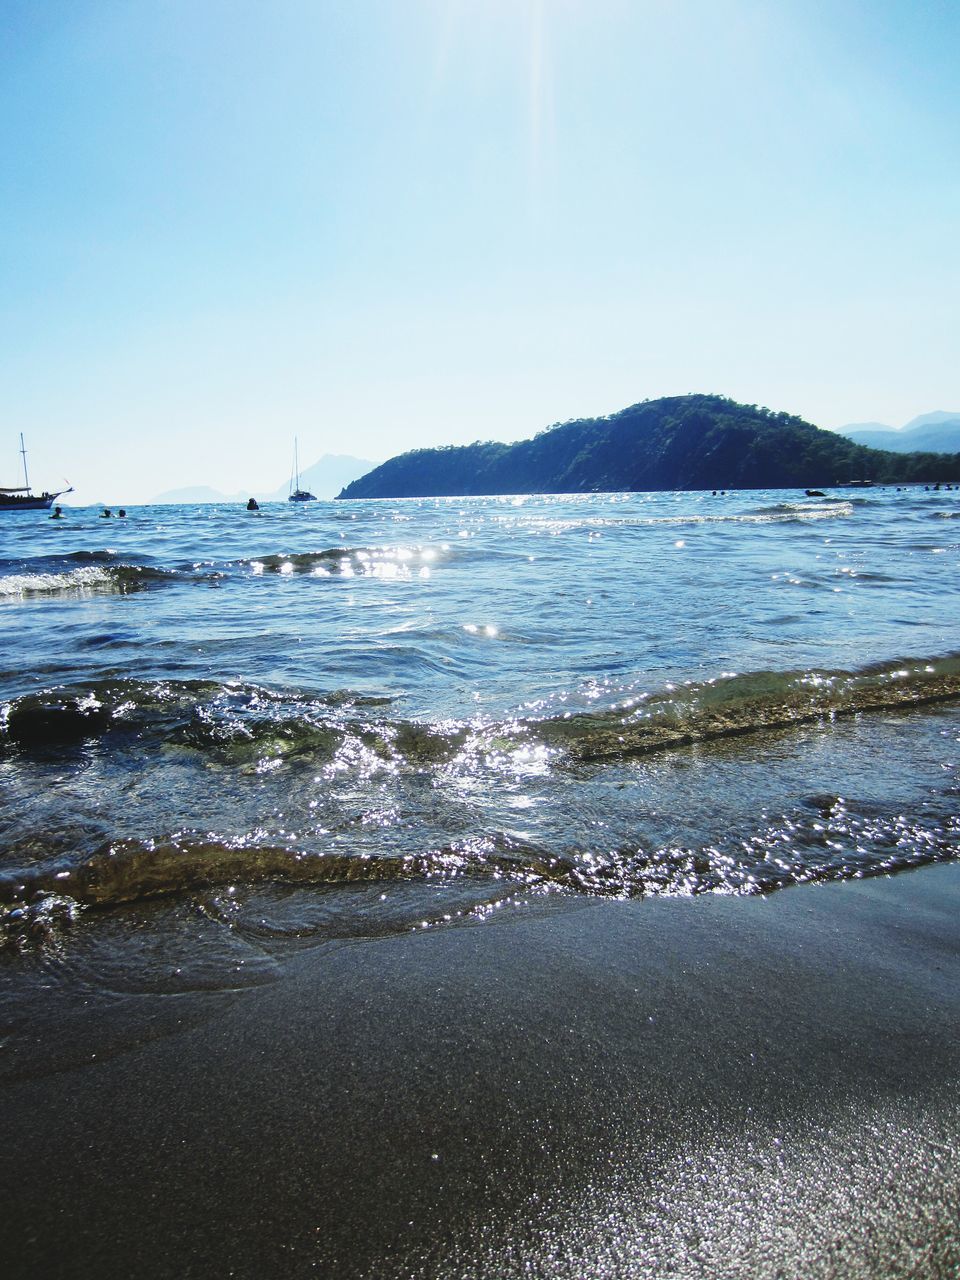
[(716, 1087)]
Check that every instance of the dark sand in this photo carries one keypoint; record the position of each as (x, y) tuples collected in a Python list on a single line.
[(711, 1087)]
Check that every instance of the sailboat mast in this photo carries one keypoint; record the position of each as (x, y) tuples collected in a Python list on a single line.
[(296, 493), (23, 453)]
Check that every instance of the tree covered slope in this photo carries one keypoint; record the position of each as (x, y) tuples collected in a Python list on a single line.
[(679, 442)]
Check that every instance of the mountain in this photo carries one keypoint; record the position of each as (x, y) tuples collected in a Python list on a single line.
[(931, 420), (324, 479), (679, 442), (861, 427), (193, 493), (930, 433)]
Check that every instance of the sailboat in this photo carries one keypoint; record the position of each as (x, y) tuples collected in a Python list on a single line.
[(22, 498), (296, 493)]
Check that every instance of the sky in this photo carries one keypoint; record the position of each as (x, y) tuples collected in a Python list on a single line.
[(378, 225)]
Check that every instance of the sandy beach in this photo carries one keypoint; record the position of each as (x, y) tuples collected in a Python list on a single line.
[(666, 1088)]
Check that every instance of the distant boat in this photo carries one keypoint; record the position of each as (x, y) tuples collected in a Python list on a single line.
[(296, 493), (22, 498)]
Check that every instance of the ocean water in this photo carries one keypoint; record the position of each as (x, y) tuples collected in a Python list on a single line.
[(227, 734)]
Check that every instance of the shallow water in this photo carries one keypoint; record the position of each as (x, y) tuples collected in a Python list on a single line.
[(342, 719)]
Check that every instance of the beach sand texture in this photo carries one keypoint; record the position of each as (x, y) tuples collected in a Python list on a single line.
[(716, 1086)]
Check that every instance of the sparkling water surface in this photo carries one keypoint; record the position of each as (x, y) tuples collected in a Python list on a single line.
[(333, 719), (457, 604)]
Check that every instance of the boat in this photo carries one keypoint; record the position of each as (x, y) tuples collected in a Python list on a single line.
[(296, 493), (22, 497)]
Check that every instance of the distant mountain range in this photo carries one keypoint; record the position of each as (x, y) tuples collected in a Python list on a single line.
[(324, 479), (931, 433), (678, 442)]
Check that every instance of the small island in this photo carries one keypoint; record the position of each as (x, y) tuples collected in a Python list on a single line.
[(677, 442)]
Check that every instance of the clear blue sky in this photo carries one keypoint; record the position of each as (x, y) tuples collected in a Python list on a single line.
[(383, 224)]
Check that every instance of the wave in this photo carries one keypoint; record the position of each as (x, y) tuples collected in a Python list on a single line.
[(240, 719), (830, 839), (778, 513), (821, 838), (378, 562), (128, 870), (821, 509), (196, 713), (737, 704), (78, 573), (88, 572), (77, 581)]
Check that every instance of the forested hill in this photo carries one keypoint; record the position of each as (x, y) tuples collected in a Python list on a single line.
[(679, 442)]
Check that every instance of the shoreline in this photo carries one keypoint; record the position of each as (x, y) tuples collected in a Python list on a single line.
[(710, 1086)]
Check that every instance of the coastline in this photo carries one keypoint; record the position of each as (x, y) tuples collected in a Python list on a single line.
[(712, 1086)]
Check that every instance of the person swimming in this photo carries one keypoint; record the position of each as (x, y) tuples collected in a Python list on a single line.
[(57, 513), (106, 514), (253, 505)]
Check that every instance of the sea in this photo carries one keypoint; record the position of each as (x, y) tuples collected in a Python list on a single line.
[(228, 735)]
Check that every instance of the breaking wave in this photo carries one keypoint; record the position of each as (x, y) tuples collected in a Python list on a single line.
[(360, 737), (828, 839), (103, 572), (87, 579), (375, 562), (240, 717)]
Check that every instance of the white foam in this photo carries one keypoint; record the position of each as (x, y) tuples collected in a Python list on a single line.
[(18, 585)]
